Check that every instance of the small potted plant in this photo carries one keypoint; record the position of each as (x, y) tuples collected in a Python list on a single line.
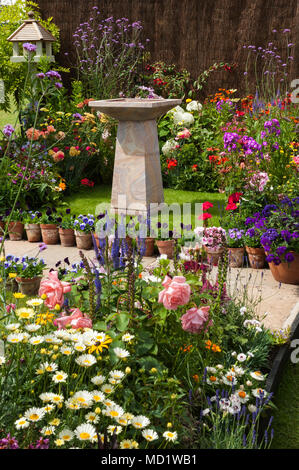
[(29, 275), (32, 226), (254, 249), (8, 272), (235, 244), (214, 240), (49, 226), (15, 224), (66, 229), (84, 225), (165, 240)]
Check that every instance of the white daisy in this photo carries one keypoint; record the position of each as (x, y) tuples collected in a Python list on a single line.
[(83, 398), (32, 327), (241, 357), (170, 436), (34, 414), (92, 417), (56, 398), (35, 340), (59, 377), (114, 411), (34, 302), (13, 326), (127, 337), (114, 430), (86, 360), (257, 375), (259, 393), (49, 366), (25, 313), (117, 374), (97, 396), (121, 353), (48, 430), (66, 350), (85, 432), (2, 360), (46, 397), (98, 380), (106, 388), (150, 435), (66, 435), (21, 423), (80, 347), (140, 422), (15, 338)]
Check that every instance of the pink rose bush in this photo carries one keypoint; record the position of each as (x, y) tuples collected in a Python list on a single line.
[(196, 320), (176, 293), (54, 289), (76, 320)]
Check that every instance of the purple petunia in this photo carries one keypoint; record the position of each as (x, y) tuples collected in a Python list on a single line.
[(28, 46), (289, 257), (8, 130)]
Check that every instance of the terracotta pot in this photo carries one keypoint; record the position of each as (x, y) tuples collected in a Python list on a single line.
[(83, 240), (33, 232), (15, 231), (2, 227), (149, 246), (256, 256), (50, 234), (12, 285), (29, 286), (286, 273), (236, 257), (166, 247), (213, 257), (67, 237)]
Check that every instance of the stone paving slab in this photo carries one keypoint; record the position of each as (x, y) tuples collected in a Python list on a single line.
[(280, 301)]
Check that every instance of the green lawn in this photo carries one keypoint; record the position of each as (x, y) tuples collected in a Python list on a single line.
[(87, 201), (286, 417), (9, 118)]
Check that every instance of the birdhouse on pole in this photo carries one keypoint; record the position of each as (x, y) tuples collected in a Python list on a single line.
[(31, 31)]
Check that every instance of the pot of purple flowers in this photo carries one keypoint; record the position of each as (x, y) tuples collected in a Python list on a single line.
[(236, 250), (84, 227), (66, 230), (29, 275)]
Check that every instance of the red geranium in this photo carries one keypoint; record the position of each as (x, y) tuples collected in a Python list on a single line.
[(235, 197), (231, 207), (205, 216), (206, 206), (87, 182)]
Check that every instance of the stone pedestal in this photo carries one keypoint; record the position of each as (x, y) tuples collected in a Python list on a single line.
[(137, 179)]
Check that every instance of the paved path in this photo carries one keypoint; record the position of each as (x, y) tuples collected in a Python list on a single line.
[(280, 301)]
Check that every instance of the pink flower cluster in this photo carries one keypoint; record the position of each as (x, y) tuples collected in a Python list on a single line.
[(76, 320), (176, 293), (214, 237), (184, 134), (54, 289), (196, 320), (259, 180)]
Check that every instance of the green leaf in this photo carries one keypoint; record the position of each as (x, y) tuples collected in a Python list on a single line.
[(122, 321), (100, 326)]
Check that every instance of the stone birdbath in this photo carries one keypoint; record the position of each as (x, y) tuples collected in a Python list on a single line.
[(137, 179)]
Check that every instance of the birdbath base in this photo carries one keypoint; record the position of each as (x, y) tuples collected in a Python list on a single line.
[(137, 179)]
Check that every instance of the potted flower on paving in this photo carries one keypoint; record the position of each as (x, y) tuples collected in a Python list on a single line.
[(15, 224), (32, 226), (29, 275), (214, 240), (281, 240), (66, 229), (84, 226), (165, 241), (49, 226), (8, 272), (235, 244), (254, 249)]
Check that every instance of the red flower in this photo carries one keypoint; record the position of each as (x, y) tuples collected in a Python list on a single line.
[(231, 207), (205, 216), (235, 197), (206, 206), (171, 164), (87, 182)]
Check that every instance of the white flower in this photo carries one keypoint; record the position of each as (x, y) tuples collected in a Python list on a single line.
[(92, 417), (140, 422), (66, 435), (150, 435), (83, 398), (257, 375), (252, 408), (32, 327), (162, 257), (51, 339), (127, 337), (13, 326), (114, 411), (46, 397), (170, 436), (107, 388), (48, 430), (121, 353), (97, 396), (114, 430), (49, 366), (34, 414), (234, 408), (241, 357), (59, 377), (85, 432), (15, 338), (66, 350), (259, 393), (116, 374), (2, 360), (35, 340), (86, 360), (34, 302), (234, 353), (229, 379), (80, 347), (224, 403), (98, 380), (205, 412), (194, 106), (21, 423), (187, 119), (168, 147), (243, 310), (56, 398), (242, 396)]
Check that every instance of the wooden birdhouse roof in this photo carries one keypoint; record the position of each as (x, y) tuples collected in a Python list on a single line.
[(31, 30)]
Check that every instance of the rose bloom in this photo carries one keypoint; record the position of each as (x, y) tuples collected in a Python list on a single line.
[(176, 293), (58, 156), (184, 134), (76, 320), (54, 289), (32, 134), (195, 320)]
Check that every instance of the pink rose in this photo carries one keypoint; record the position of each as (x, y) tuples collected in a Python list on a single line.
[(195, 319), (176, 293), (76, 320), (54, 289)]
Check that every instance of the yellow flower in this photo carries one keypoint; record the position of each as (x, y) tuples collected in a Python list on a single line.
[(44, 318), (43, 296), (98, 347), (19, 295), (188, 100), (57, 307), (12, 275)]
